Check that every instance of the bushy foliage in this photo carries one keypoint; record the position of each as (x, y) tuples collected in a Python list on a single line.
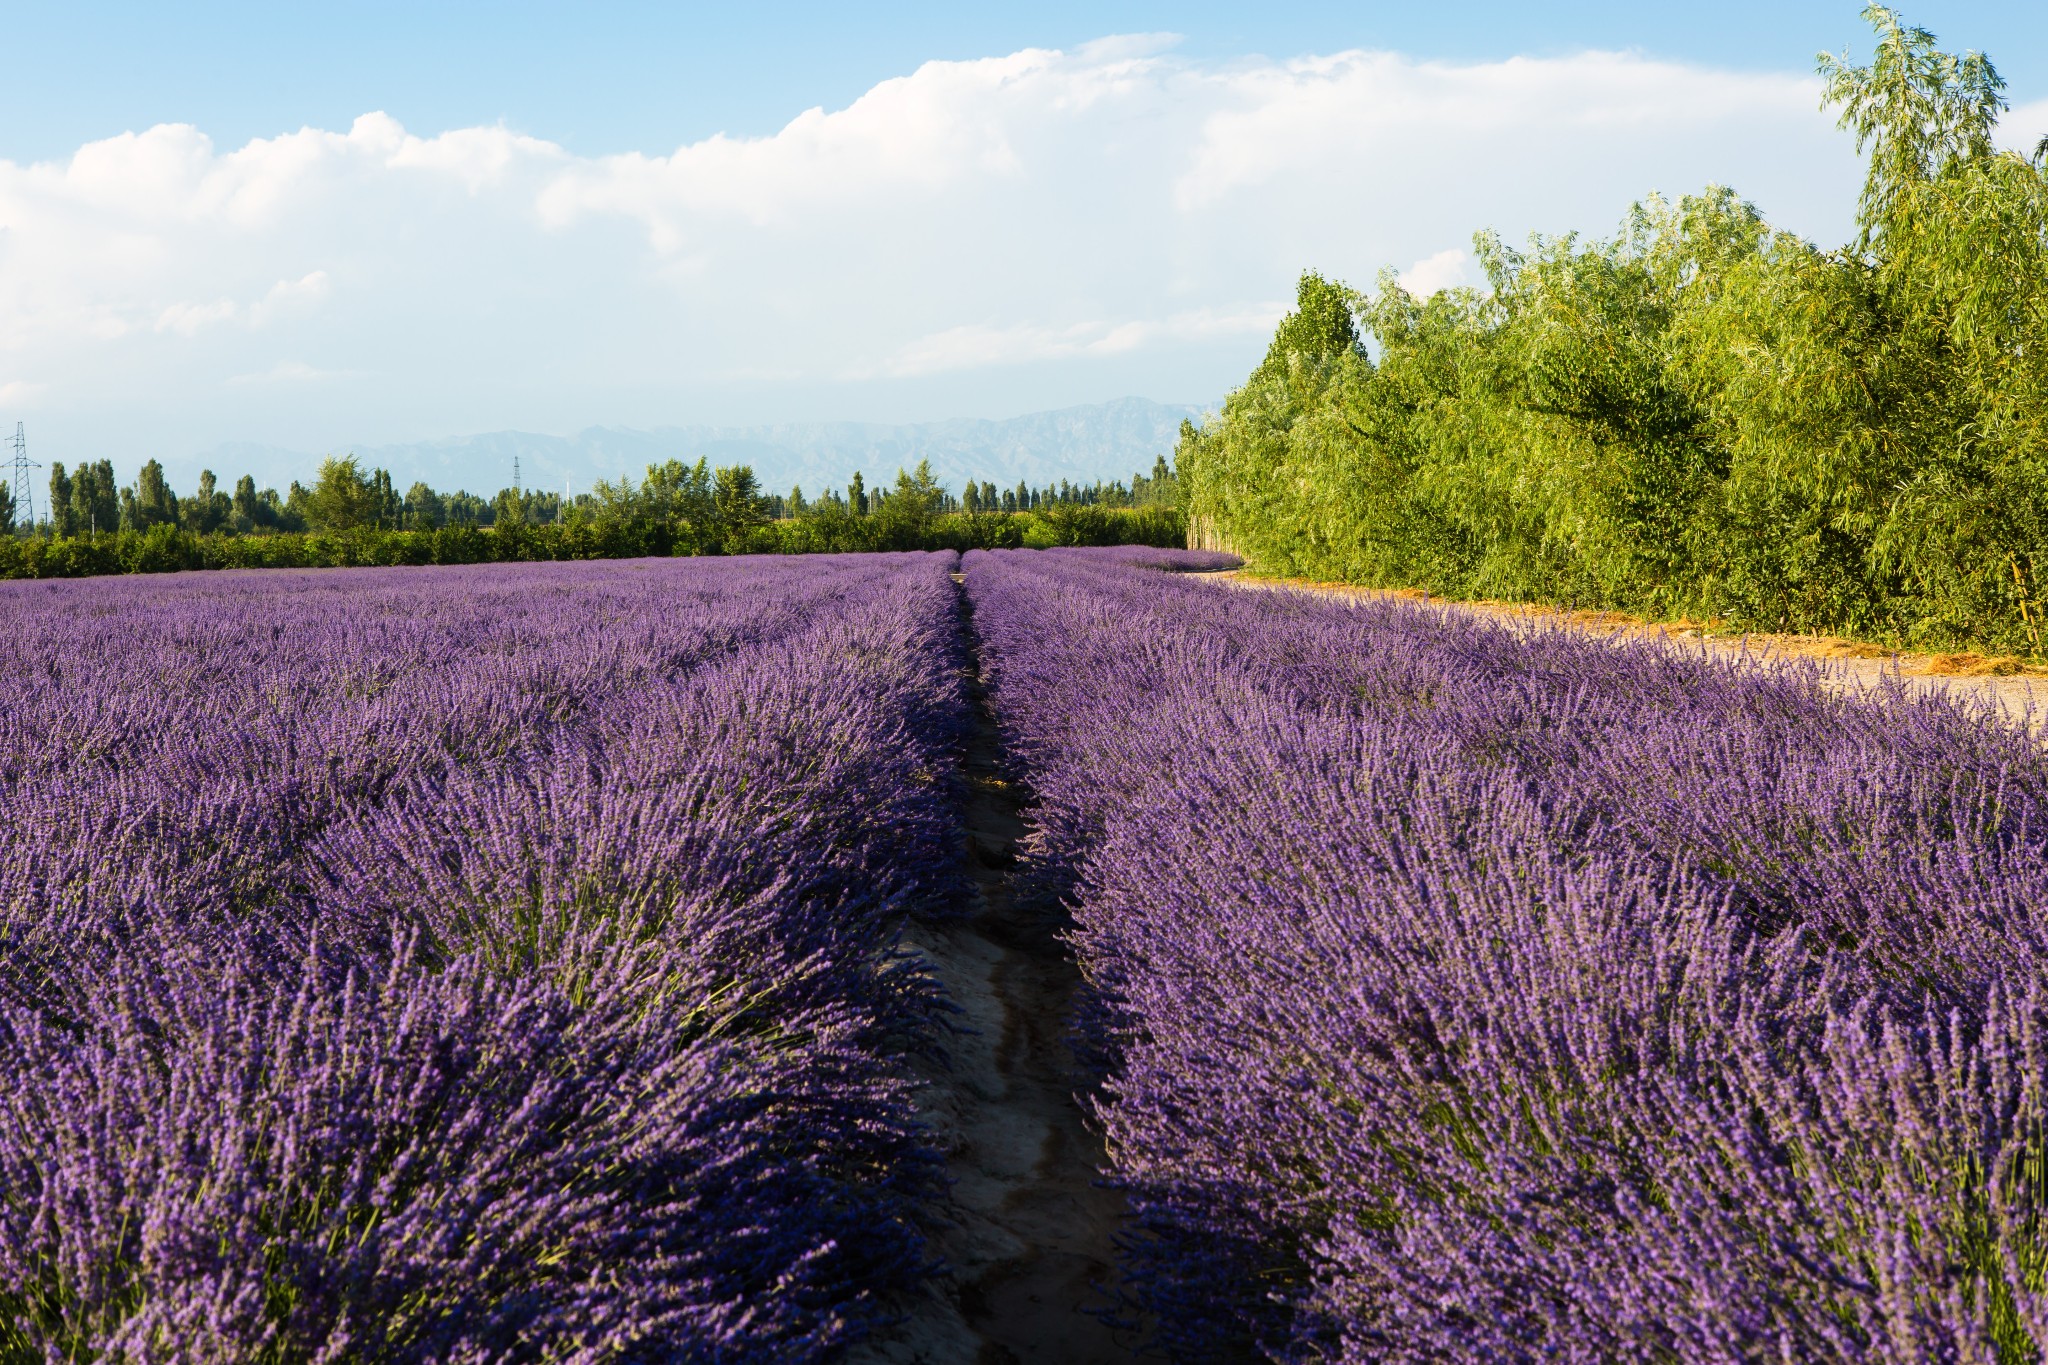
[(1702, 416)]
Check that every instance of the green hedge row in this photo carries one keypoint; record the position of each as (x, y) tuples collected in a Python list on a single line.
[(166, 549)]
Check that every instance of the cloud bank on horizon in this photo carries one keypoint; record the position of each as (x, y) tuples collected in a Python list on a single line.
[(976, 237)]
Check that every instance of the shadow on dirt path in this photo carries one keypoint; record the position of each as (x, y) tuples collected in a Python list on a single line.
[(1030, 1239)]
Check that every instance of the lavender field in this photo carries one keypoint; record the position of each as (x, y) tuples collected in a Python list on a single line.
[(1462, 995), (468, 965), (521, 964)]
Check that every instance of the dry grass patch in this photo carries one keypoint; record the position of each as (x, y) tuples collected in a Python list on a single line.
[(1977, 666)]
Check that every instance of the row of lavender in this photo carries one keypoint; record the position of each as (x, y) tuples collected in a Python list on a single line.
[(468, 965), (1466, 994)]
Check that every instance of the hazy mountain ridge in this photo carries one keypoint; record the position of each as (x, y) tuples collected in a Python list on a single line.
[(1080, 444)]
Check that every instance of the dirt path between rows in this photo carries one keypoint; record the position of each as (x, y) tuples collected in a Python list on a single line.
[(1029, 1242), (2022, 694)]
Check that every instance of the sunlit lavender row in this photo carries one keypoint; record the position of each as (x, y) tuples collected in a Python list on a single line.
[(453, 965), (1464, 993)]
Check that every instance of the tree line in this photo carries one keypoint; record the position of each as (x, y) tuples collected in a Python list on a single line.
[(1704, 415), (344, 496), (354, 516)]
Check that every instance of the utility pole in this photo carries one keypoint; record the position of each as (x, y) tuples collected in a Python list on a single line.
[(23, 486)]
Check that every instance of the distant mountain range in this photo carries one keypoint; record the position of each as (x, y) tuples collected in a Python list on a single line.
[(1082, 444)]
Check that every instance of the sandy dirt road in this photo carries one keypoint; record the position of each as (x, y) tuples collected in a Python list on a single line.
[(2020, 692)]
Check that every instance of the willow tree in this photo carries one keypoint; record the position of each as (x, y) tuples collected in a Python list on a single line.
[(1700, 414)]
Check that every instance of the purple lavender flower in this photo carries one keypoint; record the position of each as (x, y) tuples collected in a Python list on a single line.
[(1470, 994), (479, 965)]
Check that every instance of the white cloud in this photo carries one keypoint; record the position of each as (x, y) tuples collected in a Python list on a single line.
[(1445, 270), (977, 345), (290, 372), (1358, 110), (990, 235), (2023, 127), (20, 393), (287, 295), (974, 345), (187, 318)]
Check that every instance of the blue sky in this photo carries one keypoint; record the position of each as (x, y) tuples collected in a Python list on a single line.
[(607, 77), (316, 226)]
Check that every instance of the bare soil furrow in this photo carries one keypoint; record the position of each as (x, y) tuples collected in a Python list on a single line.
[(1029, 1239)]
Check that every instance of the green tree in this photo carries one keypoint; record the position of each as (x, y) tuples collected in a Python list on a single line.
[(1920, 112), (680, 497), (673, 508), (508, 508), (342, 498), (908, 509), (465, 509), (254, 511), (389, 513), (1702, 414), (424, 509), (95, 499), (208, 509), (151, 502), (1319, 330), (738, 505), (62, 517), (1160, 488)]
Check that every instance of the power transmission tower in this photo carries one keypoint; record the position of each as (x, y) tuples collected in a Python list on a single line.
[(515, 473), (19, 464)]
